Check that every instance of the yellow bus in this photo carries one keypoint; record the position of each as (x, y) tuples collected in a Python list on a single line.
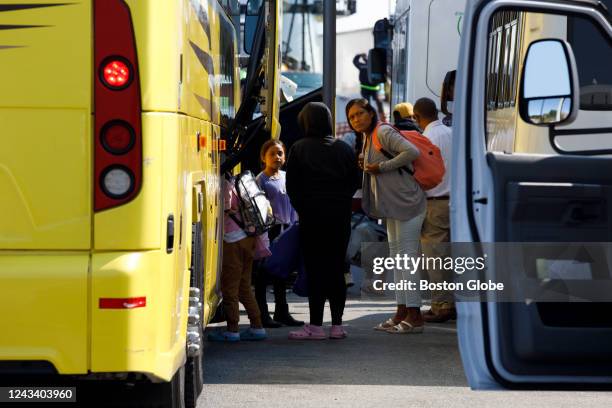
[(111, 118)]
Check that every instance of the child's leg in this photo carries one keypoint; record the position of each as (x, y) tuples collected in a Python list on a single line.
[(280, 291), (261, 284), (247, 246), (230, 283)]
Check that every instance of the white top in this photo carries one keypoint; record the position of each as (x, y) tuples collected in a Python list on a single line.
[(441, 136)]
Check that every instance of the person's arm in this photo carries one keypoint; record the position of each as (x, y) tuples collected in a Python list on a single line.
[(293, 178), (357, 61), (230, 199), (356, 175), (353, 171), (393, 142)]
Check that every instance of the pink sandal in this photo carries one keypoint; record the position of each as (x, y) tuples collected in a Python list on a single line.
[(308, 332)]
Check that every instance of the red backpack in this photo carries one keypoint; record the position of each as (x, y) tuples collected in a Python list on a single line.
[(428, 167)]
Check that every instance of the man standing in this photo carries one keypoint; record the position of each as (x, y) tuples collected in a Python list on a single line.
[(436, 227)]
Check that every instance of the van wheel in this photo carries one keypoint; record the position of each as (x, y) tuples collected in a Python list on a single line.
[(194, 371)]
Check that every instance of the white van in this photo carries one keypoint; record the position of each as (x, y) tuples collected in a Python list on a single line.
[(532, 139)]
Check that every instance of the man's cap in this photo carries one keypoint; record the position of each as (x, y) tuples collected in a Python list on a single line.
[(404, 109)]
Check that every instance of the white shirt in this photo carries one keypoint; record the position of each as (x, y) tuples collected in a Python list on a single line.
[(441, 136)]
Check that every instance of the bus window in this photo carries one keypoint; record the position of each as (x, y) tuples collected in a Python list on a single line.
[(302, 47)]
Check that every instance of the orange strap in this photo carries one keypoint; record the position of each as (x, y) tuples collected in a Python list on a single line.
[(375, 141)]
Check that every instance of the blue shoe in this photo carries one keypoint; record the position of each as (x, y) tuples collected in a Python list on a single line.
[(249, 335), (219, 336)]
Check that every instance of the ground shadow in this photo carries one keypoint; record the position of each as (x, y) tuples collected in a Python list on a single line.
[(366, 357)]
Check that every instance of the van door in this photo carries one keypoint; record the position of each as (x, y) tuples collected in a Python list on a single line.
[(535, 178)]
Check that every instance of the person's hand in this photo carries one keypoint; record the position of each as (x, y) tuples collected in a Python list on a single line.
[(372, 168)]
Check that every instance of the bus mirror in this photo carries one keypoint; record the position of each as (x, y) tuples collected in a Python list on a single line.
[(383, 31), (250, 23), (377, 65), (549, 85)]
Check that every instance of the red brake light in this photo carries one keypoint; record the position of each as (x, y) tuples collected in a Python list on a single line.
[(116, 73), (118, 137)]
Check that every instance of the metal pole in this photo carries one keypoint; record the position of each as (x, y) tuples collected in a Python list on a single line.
[(329, 57), (304, 10)]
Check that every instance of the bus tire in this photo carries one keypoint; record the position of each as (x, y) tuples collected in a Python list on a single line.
[(194, 370), (163, 395), (176, 392)]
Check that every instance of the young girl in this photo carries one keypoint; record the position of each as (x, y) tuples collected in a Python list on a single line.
[(238, 251), (272, 181)]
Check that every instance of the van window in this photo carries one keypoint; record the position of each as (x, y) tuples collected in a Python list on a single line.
[(593, 59), (510, 34)]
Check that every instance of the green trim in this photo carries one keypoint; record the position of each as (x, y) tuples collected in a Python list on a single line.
[(370, 87)]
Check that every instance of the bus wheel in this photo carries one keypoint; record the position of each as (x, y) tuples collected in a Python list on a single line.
[(194, 375), (167, 395)]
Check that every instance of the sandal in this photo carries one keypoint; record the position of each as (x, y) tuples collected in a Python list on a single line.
[(386, 325), (405, 327), (308, 332)]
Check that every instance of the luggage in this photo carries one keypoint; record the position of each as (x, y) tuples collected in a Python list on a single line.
[(286, 254)]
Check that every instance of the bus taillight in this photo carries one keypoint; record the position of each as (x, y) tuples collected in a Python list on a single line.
[(117, 182), (116, 73), (117, 112), (117, 137)]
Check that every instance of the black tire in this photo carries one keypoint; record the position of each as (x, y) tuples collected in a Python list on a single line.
[(194, 370), (164, 395)]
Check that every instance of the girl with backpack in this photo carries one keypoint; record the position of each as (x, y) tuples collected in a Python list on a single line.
[(272, 181), (238, 253), (393, 194)]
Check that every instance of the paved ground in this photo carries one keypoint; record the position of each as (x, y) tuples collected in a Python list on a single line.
[(368, 369)]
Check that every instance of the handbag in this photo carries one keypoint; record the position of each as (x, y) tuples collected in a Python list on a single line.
[(286, 254)]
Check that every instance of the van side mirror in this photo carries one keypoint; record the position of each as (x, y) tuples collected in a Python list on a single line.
[(251, 16), (377, 65), (549, 93)]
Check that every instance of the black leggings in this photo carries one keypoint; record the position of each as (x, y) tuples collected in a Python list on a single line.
[(324, 236)]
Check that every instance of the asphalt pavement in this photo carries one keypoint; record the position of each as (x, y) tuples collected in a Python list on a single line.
[(367, 369)]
